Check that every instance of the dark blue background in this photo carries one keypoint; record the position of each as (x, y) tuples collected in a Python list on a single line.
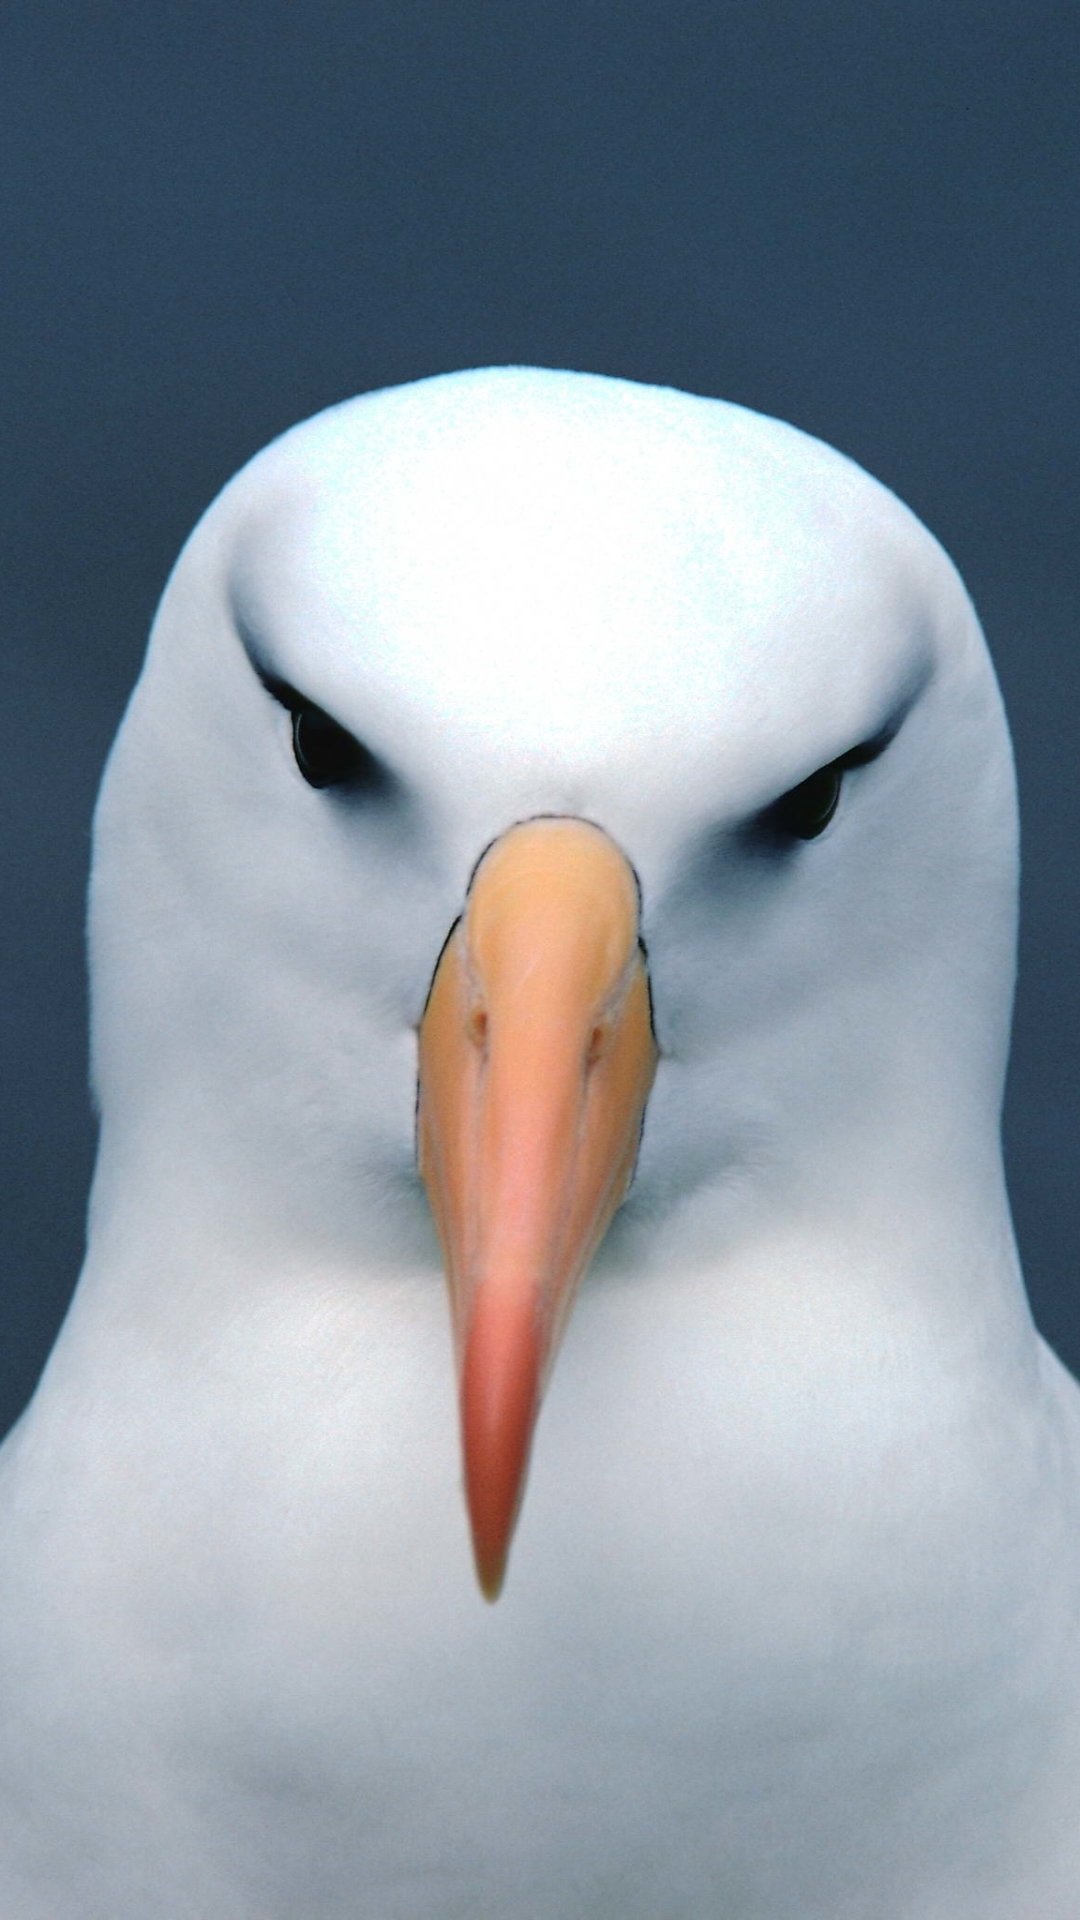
[(216, 219)]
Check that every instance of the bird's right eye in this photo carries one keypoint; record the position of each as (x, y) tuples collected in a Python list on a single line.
[(326, 754)]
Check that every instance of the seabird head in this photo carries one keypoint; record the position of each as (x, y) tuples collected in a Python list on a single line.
[(627, 734)]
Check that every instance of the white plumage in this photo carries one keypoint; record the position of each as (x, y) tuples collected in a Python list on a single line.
[(791, 1627)]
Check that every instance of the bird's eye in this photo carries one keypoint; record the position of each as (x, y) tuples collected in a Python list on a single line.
[(326, 754), (806, 810)]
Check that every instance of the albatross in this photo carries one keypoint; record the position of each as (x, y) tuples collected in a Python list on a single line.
[(550, 1426)]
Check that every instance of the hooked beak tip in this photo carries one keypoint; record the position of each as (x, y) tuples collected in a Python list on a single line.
[(491, 1576), (500, 1394)]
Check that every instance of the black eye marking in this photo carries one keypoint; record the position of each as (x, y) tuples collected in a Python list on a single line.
[(804, 811), (326, 753)]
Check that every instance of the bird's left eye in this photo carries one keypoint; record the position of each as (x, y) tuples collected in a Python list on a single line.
[(806, 810), (326, 754)]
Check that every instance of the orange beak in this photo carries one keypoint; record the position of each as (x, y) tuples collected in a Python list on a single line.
[(536, 1060)]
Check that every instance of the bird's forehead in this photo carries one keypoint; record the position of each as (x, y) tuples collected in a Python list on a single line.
[(574, 582)]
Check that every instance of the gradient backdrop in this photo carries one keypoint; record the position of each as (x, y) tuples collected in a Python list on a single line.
[(217, 219)]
